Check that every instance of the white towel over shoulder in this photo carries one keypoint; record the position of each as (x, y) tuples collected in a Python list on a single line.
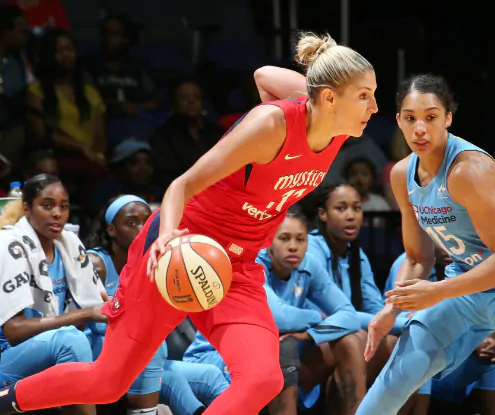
[(24, 279)]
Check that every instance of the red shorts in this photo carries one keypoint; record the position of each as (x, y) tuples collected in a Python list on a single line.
[(147, 311)]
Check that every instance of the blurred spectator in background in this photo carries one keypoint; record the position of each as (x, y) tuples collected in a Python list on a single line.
[(125, 84), (13, 82), (241, 100), (361, 174), (66, 111), (132, 173), (39, 162), (186, 136), (43, 15), (398, 151), (361, 147)]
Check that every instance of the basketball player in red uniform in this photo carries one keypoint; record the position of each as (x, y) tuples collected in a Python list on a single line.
[(238, 193)]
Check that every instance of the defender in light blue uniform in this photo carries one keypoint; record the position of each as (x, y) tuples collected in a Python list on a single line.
[(470, 318), (439, 338), (456, 326)]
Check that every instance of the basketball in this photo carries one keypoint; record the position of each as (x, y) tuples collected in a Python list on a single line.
[(194, 274)]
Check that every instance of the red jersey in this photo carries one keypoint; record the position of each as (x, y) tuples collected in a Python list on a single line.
[(243, 211)]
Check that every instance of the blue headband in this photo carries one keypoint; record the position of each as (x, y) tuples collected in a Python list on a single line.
[(118, 204)]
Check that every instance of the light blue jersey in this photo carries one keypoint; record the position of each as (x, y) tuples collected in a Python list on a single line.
[(309, 282), (372, 297), (445, 221), (57, 274)]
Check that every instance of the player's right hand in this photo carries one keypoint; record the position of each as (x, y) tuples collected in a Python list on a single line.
[(378, 328), (158, 249)]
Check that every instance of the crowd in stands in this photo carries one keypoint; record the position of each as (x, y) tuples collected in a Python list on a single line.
[(103, 124)]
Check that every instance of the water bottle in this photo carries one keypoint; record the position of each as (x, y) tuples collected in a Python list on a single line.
[(15, 190)]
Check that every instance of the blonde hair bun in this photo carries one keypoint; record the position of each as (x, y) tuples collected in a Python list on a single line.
[(311, 46)]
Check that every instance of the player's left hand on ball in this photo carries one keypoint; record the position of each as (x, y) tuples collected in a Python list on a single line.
[(158, 249), (300, 336), (414, 295)]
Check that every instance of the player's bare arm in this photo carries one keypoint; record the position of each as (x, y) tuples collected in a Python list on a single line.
[(420, 253), (276, 83)]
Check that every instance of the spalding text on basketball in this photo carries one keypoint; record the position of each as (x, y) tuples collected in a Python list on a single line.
[(200, 276)]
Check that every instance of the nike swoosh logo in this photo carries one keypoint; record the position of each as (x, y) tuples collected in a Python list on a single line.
[(111, 284), (411, 192), (287, 157)]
